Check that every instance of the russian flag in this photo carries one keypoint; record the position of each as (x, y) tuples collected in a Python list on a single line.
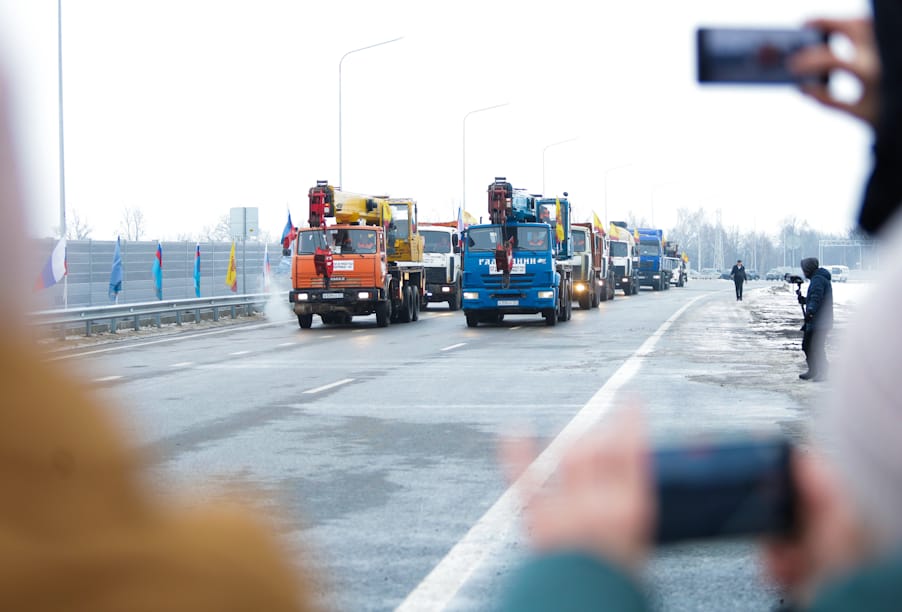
[(267, 270), (289, 233), (55, 269)]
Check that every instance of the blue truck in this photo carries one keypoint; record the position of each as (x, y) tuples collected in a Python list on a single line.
[(655, 269), (517, 263)]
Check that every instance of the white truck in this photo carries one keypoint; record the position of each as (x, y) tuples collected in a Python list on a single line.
[(624, 258), (441, 258)]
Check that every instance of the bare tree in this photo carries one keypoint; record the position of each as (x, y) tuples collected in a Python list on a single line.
[(132, 224), (219, 232), (77, 227)]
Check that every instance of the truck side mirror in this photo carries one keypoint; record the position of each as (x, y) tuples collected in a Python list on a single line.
[(455, 243)]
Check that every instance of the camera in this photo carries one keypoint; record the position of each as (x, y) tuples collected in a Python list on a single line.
[(793, 278), (752, 56), (735, 487)]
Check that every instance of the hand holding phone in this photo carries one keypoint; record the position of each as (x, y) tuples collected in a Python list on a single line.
[(753, 56)]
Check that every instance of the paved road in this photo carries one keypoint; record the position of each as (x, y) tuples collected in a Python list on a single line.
[(378, 445)]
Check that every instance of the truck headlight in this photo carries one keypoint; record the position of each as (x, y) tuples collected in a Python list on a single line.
[(626, 279), (471, 295), (656, 276), (364, 295), (578, 287), (546, 295), (302, 297), (446, 289)]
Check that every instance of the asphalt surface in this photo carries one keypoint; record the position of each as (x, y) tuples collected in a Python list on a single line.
[(378, 446)]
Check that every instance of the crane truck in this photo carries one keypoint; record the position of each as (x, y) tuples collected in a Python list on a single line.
[(518, 263), (624, 258), (678, 264), (369, 261), (593, 275)]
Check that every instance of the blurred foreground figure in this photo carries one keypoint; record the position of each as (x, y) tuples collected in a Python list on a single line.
[(593, 529), (78, 530)]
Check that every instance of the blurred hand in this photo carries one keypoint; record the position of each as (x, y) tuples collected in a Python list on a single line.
[(830, 539), (600, 501), (864, 66)]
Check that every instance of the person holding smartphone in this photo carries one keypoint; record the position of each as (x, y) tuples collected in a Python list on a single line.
[(594, 529)]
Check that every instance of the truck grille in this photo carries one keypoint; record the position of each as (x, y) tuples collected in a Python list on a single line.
[(493, 281), (435, 275)]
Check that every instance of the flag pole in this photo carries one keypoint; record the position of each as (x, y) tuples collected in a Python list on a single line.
[(66, 291)]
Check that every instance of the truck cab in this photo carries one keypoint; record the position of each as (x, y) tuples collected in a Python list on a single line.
[(654, 271), (593, 276), (441, 258)]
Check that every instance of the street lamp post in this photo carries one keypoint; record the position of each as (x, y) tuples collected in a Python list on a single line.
[(384, 42), (606, 173), (463, 201), (553, 144)]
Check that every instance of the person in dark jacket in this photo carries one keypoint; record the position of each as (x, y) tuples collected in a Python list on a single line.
[(739, 277), (818, 318)]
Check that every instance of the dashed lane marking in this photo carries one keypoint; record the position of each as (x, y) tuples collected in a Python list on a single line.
[(453, 346), (337, 383), (107, 379)]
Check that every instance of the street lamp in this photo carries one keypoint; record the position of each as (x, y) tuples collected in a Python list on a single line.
[(606, 173), (463, 202), (384, 42), (553, 144)]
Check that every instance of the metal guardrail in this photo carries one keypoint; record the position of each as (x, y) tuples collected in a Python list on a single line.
[(156, 312)]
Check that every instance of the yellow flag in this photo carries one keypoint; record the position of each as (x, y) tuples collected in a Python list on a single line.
[(232, 275), (596, 222), (560, 223)]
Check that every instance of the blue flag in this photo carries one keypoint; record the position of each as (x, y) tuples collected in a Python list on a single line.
[(157, 271), (116, 273), (197, 270)]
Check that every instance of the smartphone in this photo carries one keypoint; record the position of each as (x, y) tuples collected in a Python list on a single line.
[(727, 488), (752, 56)]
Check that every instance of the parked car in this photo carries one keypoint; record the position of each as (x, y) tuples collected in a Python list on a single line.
[(709, 273), (774, 274), (752, 275), (725, 276), (839, 274)]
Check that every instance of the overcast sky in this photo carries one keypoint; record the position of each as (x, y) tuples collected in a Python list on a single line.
[(187, 108)]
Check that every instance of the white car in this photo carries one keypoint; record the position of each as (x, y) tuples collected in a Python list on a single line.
[(838, 274)]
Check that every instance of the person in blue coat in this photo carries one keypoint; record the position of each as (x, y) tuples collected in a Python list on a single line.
[(818, 318)]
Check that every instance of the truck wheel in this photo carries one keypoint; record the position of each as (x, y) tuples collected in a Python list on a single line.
[(406, 307), (454, 302), (585, 301), (383, 310), (550, 318), (610, 290), (472, 319), (305, 320), (634, 288), (415, 303)]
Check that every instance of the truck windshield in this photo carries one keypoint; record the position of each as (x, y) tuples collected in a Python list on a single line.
[(483, 238), (354, 240), (310, 240), (649, 248), (619, 249), (436, 242), (579, 241), (399, 221)]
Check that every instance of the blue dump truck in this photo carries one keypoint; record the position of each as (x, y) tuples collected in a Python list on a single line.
[(655, 269), (517, 263)]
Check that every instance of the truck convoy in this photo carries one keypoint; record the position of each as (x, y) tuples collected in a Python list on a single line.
[(370, 261), (624, 258), (654, 270), (518, 263), (441, 259), (677, 264), (593, 274)]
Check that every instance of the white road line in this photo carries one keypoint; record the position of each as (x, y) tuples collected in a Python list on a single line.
[(288, 344), (337, 383), (236, 353), (328, 336), (516, 327), (131, 345), (182, 364), (453, 346), (107, 379), (438, 588)]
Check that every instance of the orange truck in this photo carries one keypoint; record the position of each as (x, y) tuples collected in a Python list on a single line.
[(369, 261)]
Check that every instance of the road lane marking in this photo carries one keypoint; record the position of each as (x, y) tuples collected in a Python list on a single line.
[(182, 364), (236, 353), (337, 383), (131, 345), (327, 336), (515, 327), (453, 346), (107, 379), (441, 585), (288, 344)]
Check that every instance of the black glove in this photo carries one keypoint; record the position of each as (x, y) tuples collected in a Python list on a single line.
[(804, 327), (802, 300)]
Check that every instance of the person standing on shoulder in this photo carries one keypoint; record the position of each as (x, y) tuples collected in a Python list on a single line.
[(739, 277), (818, 318)]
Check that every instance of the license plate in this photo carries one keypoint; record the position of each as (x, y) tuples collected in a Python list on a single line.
[(508, 302), (333, 296)]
